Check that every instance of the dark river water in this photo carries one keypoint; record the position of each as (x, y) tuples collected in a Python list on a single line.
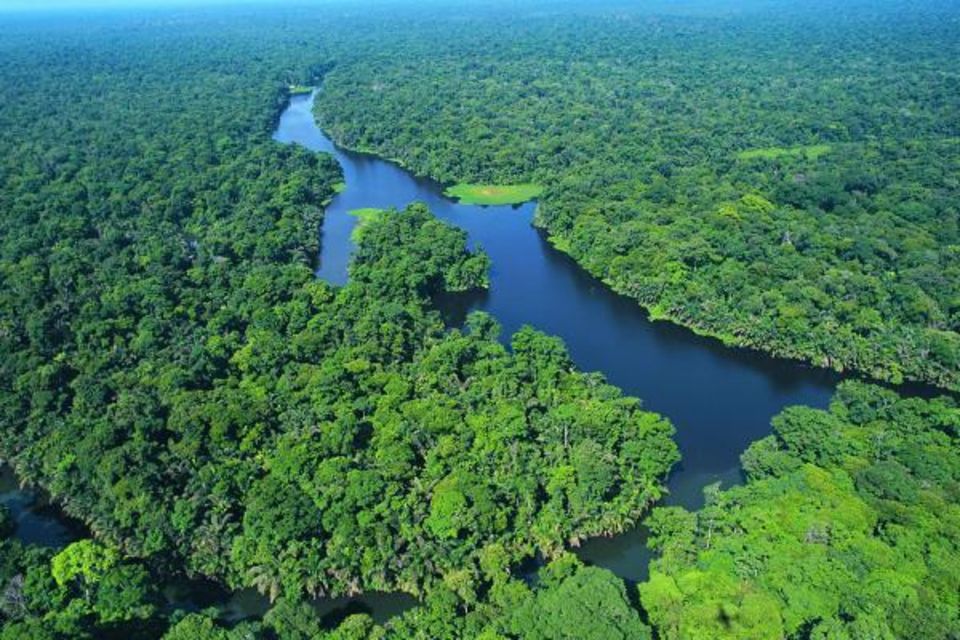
[(35, 520), (719, 399)]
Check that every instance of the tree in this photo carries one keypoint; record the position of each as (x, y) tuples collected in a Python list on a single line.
[(84, 564)]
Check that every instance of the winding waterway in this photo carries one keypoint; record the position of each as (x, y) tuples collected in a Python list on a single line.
[(719, 399)]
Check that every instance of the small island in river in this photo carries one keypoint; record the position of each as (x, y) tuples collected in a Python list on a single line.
[(487, 194)]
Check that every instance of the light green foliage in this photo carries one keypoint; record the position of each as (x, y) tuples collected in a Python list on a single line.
[(364, 218), (493, 194), (849, 527), (355, 627), (810, 152), (196, 627), (86, 561), (448, 509)]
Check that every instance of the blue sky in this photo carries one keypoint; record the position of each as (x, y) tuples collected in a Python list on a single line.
[(22, 5)]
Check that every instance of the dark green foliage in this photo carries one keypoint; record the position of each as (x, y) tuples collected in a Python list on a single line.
[(781, 177), (84, 591), (578, 603), (813, 436), (433, 260), (858, 541)]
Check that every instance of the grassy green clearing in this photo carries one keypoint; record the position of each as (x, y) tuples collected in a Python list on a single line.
[(299, 89), (364, 218), (493, 194), (812, 152)]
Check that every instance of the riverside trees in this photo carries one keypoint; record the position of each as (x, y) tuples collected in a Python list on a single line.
[(175, 376), (781, 178)]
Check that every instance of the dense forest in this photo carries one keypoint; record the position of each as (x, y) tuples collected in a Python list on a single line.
[(87, 590), (782, 179), (848, 528), (173, 374), (569, 601)]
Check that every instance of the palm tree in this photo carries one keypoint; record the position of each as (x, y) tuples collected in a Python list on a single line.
[(265, 578)]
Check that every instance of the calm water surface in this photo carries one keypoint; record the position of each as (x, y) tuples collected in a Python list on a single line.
[(36, 521), (719, 399)]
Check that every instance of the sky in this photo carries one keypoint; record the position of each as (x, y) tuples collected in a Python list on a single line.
[(50, 5)]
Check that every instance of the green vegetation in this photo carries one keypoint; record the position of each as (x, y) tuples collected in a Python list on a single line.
[(84, 591), (569, 602), (633, 121), (299, 90), (173, 374), (493, 194), (364, 218), (849, 527), (810, 152)]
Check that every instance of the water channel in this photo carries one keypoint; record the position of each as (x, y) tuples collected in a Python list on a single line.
[(719, 399)]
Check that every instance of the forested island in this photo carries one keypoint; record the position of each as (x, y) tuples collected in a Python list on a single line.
[(176, 377)]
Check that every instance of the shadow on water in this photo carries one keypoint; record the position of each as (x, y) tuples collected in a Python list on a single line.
[(195, 595), (380, 606), (455, 307), (36, 521)]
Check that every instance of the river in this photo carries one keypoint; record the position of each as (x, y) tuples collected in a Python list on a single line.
[(35, 520), (720, 399)]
